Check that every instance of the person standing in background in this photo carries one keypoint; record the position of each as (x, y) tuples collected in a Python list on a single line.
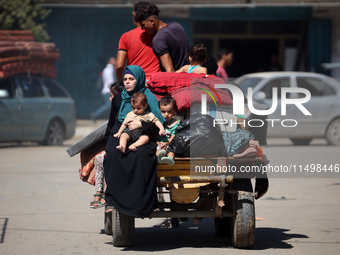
[(225, 58), (170, 43), (135, 46), (108, 78)]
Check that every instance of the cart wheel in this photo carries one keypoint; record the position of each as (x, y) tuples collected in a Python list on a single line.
[(108, 223), (243, 221), (123, 229)]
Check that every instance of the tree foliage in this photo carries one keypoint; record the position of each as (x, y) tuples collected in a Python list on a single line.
[(24, 15)]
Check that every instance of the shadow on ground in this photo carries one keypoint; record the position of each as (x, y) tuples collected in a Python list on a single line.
[(159, 238)]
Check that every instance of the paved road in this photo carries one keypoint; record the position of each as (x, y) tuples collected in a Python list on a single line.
[(45, 208)]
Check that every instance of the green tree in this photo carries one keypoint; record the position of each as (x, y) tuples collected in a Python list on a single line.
[(24, 15)]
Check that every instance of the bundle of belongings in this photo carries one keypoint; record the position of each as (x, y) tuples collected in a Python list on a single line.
[(89, 147), (198, 135), (20, 54), (187, 88)]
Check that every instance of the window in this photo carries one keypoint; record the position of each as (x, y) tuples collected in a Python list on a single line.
[(31, 87), (275, 83), (316, 87), (53, 89)]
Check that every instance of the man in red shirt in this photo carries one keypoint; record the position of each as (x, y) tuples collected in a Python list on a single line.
[(170, 42), (136, 46)]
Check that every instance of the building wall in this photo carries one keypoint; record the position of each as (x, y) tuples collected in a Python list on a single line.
[(86, 38)]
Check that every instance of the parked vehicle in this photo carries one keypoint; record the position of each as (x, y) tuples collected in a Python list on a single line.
[(324, 104), (37, 109)]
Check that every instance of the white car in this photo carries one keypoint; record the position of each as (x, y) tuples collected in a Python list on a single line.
[(323, 105)]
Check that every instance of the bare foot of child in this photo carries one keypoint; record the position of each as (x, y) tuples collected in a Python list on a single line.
[(132, 148), (121, 148)]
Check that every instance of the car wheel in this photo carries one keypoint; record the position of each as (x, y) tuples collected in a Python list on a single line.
[(333, 132), (304, 141), (55, 133)]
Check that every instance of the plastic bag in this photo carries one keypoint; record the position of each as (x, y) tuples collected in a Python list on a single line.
[(196, 136)]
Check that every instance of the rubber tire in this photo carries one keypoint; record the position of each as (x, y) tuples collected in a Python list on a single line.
[(243, 221), (123, 229), (333, 132), (301, 141), (108, 223), (55, 133)]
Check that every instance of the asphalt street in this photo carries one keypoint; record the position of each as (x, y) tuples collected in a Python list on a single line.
[(45, 207)]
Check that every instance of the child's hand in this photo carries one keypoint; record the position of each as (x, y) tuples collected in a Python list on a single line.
[(117, 135), (162, 145), (162, 132)]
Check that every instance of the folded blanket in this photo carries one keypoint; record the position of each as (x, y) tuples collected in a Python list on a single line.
[(191, 94), (163, 82)]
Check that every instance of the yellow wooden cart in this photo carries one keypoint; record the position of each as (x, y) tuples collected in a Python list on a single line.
[(227, 196)]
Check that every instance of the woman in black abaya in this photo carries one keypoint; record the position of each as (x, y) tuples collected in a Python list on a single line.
[(131, 176)]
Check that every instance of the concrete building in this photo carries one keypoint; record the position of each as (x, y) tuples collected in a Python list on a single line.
[(302, 33)]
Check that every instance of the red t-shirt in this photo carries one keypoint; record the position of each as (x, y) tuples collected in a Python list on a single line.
[(138, 45)]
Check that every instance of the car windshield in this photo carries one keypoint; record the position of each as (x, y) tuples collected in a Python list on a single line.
[(248, 82)]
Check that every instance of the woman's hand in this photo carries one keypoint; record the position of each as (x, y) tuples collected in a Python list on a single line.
[(134, 124), (162, 132)]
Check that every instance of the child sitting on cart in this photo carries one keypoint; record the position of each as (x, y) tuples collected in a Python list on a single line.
[(168, 108), (197, 56), (139, 105)]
